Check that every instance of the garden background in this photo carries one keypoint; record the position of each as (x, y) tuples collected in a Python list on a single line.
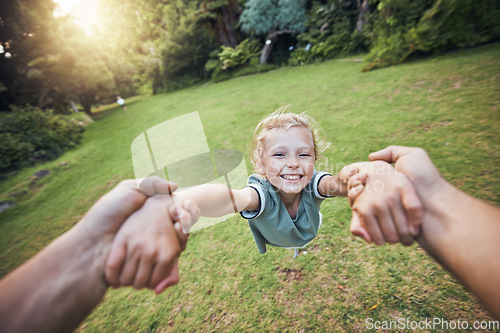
[(443, 97)]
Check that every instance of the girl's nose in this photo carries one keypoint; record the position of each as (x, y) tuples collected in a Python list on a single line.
[(292, 163)]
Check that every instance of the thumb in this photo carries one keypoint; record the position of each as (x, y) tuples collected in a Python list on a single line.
[(152, 185), (389, 154), (357, 228)]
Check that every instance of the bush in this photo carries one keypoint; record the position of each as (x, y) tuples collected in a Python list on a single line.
[(408, 27), (331, 32), (30, 135), (300, 57), (259, 68), (226, 62), (240, 55)]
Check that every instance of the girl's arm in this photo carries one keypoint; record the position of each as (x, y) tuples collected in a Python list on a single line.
[(336, 186), (332, 186), (217, 200)]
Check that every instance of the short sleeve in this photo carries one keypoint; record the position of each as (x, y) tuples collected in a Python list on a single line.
[(266, 201), (315, 185), (251, 214)]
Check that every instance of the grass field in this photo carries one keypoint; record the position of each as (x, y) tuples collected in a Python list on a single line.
[(448, 105)]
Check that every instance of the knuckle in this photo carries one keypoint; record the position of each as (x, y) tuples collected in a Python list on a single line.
[(124, 281), (393, 240), (111, 266), (138, 285), (407, 241)]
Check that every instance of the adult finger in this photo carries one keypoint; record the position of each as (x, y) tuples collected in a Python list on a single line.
[(387, 225), (115, 262), (162, 269), (146, 267), (370, 223), (170, 280), (152, 185), (414, 208), (357, 228), (127, 275), (389, 154), (401, 222), (168, 255)]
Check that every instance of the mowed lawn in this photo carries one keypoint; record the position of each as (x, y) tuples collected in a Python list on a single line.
[(448, 105)]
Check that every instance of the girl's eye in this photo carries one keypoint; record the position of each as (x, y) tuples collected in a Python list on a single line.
[(279, 154), (304, 155)]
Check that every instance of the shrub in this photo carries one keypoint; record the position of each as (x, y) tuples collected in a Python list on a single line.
[(240, 55), (258, 68), (406, 27), (331, 32), (300, 57), (30, 135)]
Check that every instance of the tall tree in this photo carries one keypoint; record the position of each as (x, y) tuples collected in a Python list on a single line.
[(222, 16), (363, 9), (27, 46), (271, 18), (160, 39)]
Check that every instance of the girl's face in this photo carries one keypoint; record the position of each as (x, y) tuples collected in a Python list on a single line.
[(288, 158)]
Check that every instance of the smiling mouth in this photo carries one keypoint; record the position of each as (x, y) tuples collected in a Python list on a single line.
[(291, 177)]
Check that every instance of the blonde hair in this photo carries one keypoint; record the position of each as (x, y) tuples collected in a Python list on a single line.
[(281, 119)]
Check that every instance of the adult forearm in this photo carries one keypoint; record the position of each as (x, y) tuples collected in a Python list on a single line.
[(55, 290), (463, 234)]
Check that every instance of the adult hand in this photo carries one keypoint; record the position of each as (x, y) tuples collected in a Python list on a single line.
[(388, 207), (56, 289), (459, 231), (146, 249), (108, 214), (415, 164)]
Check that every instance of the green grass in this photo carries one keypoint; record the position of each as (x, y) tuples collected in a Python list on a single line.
[(449, 105)]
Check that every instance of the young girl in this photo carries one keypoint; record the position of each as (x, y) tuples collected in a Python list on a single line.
[(282, 201)]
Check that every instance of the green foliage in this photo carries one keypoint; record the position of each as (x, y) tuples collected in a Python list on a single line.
[(30, 135), (240, 55), (184, 59), (263, 16), (220, 18), (254, 69), (226, 62), (300, 57), (331, 32), (408, 27)]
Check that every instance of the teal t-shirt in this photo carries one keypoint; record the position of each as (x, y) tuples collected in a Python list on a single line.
[(271, 223)]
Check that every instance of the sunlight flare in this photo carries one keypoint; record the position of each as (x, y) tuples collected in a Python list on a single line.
[(84, 13)]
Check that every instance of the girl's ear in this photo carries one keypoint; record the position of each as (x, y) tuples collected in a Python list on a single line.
[(260, 170)]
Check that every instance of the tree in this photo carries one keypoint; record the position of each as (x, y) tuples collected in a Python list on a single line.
[(222, 16), (160, 39), (272, 18), (28, 49), (363, 9)]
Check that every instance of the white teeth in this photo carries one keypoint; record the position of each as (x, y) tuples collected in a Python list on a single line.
[(291, 177)]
